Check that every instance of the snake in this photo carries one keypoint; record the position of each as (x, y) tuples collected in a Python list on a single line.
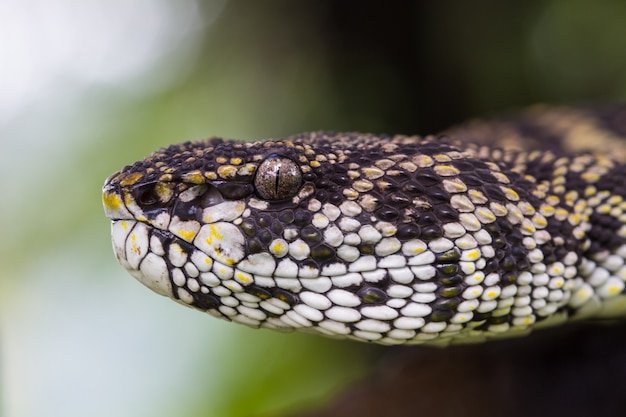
[(490, 229)]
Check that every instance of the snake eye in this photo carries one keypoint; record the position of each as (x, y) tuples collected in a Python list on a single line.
[(278, 178)]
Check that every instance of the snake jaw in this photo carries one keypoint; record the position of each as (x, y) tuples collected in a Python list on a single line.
[(131, 242)]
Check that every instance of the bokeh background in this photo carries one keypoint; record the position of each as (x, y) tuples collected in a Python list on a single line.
[(88, 87)]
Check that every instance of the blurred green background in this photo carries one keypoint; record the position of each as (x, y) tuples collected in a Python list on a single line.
[(88, 87)]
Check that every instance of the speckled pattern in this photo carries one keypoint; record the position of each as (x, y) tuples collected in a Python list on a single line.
[(490, 230)]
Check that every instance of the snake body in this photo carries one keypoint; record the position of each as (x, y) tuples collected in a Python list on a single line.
[(490, 230)]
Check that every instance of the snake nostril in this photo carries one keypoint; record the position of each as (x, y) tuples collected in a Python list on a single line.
[(147, 197), (152, 194), (152, 198)]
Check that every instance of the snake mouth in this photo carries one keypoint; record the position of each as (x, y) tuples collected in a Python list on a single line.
[(161, 227)]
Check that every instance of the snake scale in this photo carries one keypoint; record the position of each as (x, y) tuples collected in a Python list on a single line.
[(491, 229)]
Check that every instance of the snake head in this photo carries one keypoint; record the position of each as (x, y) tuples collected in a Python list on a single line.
[(375, 238)]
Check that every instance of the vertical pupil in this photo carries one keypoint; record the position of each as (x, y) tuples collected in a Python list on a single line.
[(277, 182), (277, 178)]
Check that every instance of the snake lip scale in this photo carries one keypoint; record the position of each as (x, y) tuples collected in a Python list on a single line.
[(490, 230)]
